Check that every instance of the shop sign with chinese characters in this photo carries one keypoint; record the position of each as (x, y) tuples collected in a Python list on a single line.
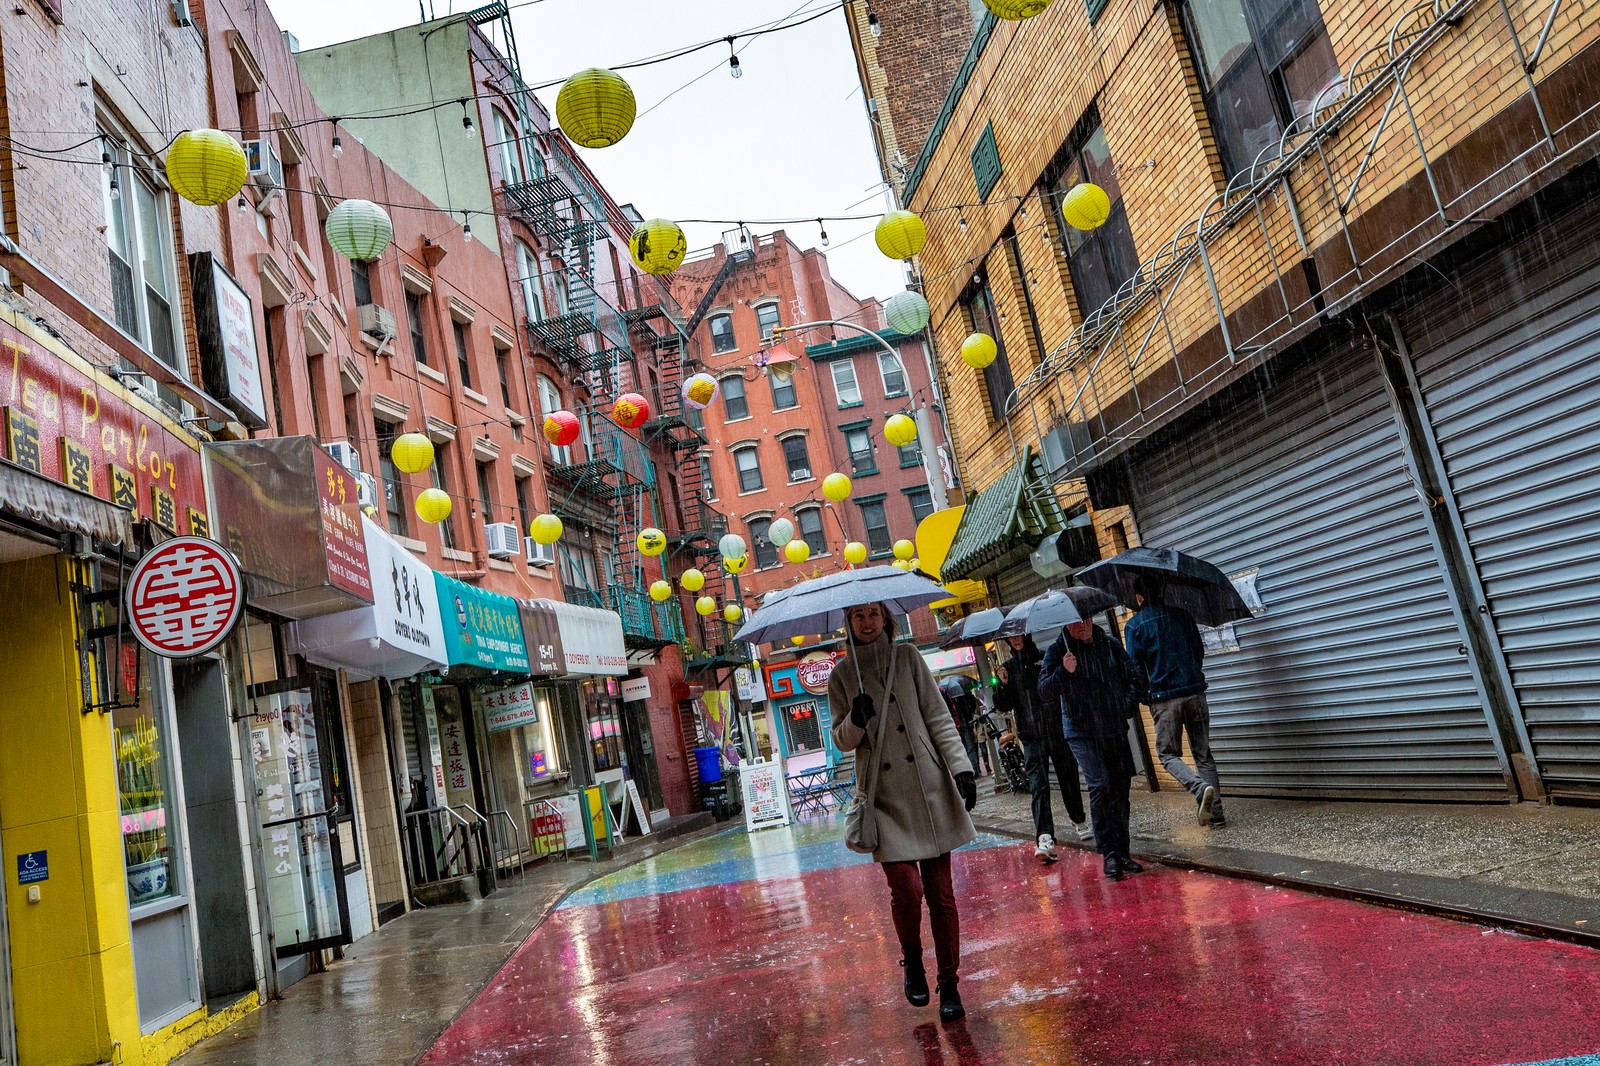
[(185, 597), (455, 757), (343, 539), (481, 628), (508, 708), (63, 423)]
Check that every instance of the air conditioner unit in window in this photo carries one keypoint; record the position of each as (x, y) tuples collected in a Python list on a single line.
[(539, 554), (266, 167), (367, 490), (344, 453), (376, 320), (501, 537), (799, 475)]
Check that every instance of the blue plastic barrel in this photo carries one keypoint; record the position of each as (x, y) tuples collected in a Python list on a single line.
[(710, 764)]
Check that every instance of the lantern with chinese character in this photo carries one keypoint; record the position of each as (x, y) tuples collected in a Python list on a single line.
[(900, 430), (596, 108), (660, 591), (692, 580), (206, 167), (1016, 10), (433, 505), (904, 549), (658, 246), (780, 532), (412, 453), (732, 613), (907, 312), (699, 391), (630, 411), (545, 529), (652, 541), (901, 234), (979, 350), (735, 566), (855, 553), (358, 229), (705, 606), (797, 551), (732, 546), (836, 487), (1086, 206), (561, 428)]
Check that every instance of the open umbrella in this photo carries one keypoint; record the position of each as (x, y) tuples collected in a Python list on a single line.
[(1188, 582), (1055, 609), (978, 628)]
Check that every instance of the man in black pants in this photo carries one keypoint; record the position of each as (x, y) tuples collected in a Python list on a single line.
[(1045, 746)]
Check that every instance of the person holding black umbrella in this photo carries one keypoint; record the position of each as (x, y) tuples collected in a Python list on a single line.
[(1097, 688), (1039, 729)]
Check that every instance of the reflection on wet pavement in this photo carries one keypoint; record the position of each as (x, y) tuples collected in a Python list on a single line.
[(777, 949)]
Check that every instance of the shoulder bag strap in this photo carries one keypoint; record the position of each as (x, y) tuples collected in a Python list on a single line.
[(877, 735)]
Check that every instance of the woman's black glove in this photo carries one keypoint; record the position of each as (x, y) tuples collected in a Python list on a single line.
[(862, 710), (967, 785)]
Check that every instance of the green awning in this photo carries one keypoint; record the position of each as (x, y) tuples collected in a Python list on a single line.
[(1009, 517)]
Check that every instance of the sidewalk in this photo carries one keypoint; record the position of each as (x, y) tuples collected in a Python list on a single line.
[(1528, 866)]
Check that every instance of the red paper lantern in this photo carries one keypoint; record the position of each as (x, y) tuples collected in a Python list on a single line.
[(561, 428), (630, 411)]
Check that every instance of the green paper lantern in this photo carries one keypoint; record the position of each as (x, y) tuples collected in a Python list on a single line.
[(901, 234), (206, 167), (596, 108), (780, 532), (907, 312), (359, 229)]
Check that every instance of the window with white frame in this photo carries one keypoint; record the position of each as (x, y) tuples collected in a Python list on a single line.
[(510, 159), (876, 521), (768, 319), (143, 266), (708, 484), (748, 464), (809, 521), (796, 458), (845, 386), (858, 442), (529, 281), (722, 333), (549, 404), (783, 394), (735, 404), (893, 374), (766, 552)]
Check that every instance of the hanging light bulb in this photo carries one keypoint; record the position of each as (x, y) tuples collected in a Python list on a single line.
[(466, 227), (115, 190), (824, 230), (1023, 209), (244, 206), (733, 60), (466, 121), (105, 160), (338, 146), (872, 22), (961, 220)]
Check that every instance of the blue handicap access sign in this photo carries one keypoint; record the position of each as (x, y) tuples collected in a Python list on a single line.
[(33, 866)]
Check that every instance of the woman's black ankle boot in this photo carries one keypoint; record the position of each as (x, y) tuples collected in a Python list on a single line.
[(916, 983), (950, 1007)]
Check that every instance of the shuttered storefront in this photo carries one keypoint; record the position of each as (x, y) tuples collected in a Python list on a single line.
[(1353, 681), (1514, 404)]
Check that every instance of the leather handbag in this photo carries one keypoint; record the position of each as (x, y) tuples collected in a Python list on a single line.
[(861, 820)]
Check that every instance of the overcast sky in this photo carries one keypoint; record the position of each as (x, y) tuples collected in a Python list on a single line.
[(790, 139)]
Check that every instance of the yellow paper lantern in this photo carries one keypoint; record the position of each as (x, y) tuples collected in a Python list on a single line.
[(732, 612), (412, 453), (901, 234), (979, 350), (652, 541), (206, 167), (596, 108), (1016, 10), (1086, 206), (915, 564), (901, 564), (358, 229), (797, 551), (797, 641), (692, 580), (658, 246), (900, 430), (660, 591), (433, 505), (904, 549), (705, 606), (546, 529), (735, 566), (836, 487), (855, 553)]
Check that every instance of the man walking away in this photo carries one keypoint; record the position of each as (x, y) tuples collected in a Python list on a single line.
[(959, 691), (1166, 644), (1044, 743)]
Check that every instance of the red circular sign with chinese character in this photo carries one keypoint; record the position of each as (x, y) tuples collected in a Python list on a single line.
[(185, 597)]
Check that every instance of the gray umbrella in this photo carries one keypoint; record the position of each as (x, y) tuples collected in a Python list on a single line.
[(1187, 582), (1055, 609), (818, 605), (976, 628)]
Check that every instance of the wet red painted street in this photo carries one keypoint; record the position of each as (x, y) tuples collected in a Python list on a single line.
[(715, 954)]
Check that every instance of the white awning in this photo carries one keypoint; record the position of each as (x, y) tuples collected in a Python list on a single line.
[(591, 640), (399, 635)]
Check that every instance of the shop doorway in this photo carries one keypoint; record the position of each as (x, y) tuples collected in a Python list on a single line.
[(637, 739)]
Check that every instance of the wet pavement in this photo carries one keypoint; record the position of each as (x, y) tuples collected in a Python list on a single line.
[(777, 949)]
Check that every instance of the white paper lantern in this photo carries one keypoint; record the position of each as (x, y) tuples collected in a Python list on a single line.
[(780, 532), (732, 546), (907, 312)]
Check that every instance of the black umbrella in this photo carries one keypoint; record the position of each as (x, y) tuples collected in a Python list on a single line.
[(1055, 609), (976, 628), (1187, 582)]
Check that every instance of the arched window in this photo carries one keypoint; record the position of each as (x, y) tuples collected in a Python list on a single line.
[(530, 281)]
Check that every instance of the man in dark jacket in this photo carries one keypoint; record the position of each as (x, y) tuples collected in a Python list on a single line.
[(1097, 688), (1166, 644), (1044, 744)]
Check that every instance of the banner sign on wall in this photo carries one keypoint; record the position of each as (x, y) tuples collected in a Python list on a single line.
[(508, 708), (225, 325)]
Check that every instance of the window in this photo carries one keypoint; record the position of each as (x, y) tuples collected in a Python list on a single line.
[(766, 552), (858, 442), (796, 458), (463, 355), (524, 505), (145, 795), (361, 281), (394, 494), (419, 343), (528, 281), (1101, 260), (767, 319), (140, 257), (805, 728), (810, 523), (486, 490), (783, 396), (722, 333), (735, 404), (500, 360), (845, 386), (748, 464), (1262, 64), (447, 528), (979, 304), (910, 454), (893, 374), (580, 577), (549, 404), (510, 161), (877, 523), (921, 504), (708, 484)]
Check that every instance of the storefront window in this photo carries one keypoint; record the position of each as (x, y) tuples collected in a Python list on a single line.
[(144, 795), (803, 724), (604, 713)]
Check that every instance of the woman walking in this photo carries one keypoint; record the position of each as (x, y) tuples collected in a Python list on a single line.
[(909, 759)]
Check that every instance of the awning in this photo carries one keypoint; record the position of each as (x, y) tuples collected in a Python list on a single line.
[(401, 634), (1009, 517), (42, 502), (591, 640), (542, 633), (934, 537), (481, 628)]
